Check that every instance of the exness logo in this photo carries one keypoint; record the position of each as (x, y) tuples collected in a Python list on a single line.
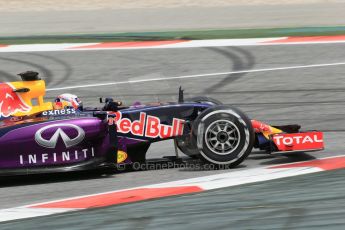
[(60, 131)]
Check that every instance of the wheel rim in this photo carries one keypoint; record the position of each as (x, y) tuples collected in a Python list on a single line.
[(222, 137)]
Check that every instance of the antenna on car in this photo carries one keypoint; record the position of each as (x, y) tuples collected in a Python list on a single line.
[(180, 95)]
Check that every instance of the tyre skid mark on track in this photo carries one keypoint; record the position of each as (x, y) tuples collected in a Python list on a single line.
[(230, 74), (41, 68), (174, 188), (239, 59)]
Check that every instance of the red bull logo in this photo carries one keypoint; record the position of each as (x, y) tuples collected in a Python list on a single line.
[(10, 101), (148, 126)]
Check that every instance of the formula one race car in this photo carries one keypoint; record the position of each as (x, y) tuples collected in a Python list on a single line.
[(36, 138)]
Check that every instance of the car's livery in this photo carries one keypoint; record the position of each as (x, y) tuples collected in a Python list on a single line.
[(35, 138), (11, 102), (148, 126)]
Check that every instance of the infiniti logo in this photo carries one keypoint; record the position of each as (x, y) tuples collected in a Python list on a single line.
[(52, 141)]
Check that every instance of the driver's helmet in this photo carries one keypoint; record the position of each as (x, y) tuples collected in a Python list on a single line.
[(68, 101)]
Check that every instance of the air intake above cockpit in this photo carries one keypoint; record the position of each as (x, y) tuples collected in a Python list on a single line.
[(29, 76)]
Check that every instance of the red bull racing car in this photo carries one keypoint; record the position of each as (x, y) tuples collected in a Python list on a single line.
[(35, 137)]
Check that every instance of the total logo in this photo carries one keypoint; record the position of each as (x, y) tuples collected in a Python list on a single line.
[(301, 139), (148, 126)]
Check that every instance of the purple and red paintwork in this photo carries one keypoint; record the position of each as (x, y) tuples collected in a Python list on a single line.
[(20, 147)]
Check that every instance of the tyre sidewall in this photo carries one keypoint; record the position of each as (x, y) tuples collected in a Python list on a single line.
[(239, 120)]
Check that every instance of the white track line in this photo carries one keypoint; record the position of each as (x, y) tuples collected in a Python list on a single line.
[(197, 76)]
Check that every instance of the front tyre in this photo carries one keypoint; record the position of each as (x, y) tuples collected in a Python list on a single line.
[(224, 136)]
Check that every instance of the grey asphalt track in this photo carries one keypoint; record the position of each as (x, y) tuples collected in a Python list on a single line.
[(312, 97)]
